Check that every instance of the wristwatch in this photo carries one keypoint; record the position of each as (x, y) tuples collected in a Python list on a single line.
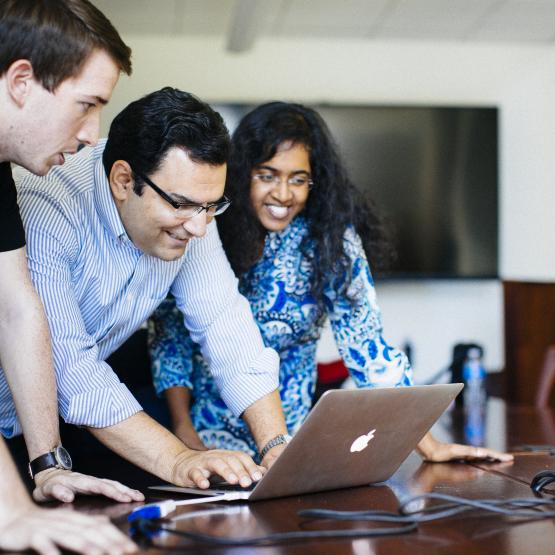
[(57, 458), (278, 440)]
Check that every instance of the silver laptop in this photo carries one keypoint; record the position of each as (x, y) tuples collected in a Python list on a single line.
[(351, 438)]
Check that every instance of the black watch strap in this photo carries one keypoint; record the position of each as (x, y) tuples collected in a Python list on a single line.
[(57, 458)]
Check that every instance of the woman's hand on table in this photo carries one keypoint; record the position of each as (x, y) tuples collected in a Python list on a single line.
[(432, 450)]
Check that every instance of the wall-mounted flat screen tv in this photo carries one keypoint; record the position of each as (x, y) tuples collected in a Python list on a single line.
[(432, 171)]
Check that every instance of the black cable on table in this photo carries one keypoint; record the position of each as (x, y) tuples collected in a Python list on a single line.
[(406, 518)]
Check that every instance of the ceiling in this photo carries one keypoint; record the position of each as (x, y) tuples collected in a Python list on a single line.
[(242, 22)]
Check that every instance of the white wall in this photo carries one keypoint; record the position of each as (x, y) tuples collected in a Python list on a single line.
[(518, 79), (434, 315)]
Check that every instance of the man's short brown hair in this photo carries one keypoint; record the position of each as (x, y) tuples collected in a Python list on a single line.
[(57, 36)]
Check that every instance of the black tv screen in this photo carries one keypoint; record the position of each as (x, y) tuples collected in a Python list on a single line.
[(432, 171)]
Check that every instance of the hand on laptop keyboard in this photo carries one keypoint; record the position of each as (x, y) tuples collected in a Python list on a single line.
[(222, 485)]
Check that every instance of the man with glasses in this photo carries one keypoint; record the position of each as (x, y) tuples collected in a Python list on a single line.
[(110, 234)]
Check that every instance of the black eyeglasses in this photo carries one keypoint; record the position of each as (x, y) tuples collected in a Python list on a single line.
[(189, 209)]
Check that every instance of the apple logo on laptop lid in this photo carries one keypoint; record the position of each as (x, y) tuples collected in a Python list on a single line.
[(361, 442)]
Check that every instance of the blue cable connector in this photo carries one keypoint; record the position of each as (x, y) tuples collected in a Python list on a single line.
[(161, 509), (152, 511)]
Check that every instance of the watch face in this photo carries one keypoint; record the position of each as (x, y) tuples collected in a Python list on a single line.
[(63, 458)]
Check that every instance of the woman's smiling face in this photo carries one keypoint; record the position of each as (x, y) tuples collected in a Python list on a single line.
[(280, 186)]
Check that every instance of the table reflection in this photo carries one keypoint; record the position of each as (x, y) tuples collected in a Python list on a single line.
[(497, 425)]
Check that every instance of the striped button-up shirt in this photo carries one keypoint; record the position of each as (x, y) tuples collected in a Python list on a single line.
[(98, 288)]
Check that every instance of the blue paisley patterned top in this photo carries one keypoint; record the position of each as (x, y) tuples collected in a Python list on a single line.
[(291, 320)]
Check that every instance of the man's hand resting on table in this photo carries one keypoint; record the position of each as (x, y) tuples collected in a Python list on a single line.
[(63, 485), (47, 530)]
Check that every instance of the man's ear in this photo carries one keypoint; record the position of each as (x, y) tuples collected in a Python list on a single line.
[(20, 79), (121, 180)]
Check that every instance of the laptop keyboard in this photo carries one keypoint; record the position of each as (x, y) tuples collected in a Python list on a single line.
[(225, 486)]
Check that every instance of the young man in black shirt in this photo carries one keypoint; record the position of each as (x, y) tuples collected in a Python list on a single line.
[(59, 62), (12, 235)]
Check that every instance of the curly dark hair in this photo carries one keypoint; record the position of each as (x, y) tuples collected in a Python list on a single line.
[(333, 202)]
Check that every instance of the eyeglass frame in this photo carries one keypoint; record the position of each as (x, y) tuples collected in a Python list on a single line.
[(224, 203), (277, 179)]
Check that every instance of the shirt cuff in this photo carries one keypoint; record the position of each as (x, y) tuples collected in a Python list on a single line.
[(102, 407), (10, 426), (173, 380), (247, 387)]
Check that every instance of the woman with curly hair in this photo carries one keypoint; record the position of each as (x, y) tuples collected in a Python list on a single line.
[(299, 236)]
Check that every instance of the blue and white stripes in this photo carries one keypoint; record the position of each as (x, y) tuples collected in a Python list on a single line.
[(98, 288)]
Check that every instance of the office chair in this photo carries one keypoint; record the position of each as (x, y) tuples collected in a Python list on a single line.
[(547, 378)]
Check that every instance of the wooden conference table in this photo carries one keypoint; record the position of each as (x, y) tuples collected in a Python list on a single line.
[(476, 533)]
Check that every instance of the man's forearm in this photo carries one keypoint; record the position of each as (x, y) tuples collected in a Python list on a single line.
[(265, 419), (142, 441), (145, 443), (26, 356)]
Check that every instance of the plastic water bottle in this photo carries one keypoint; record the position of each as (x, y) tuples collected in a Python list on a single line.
[(474, 376)]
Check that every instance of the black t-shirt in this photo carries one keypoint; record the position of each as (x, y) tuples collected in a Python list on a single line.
[(12, 235)]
